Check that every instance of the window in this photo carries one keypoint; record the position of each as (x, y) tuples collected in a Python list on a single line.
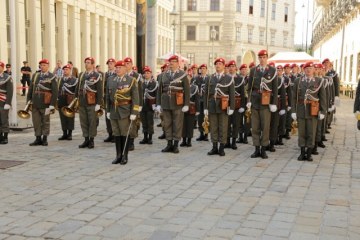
[(261, 37), (191, 57), (250, 35), (285, 40), (273, 11), (190, 33), (272, 39), (238, 5), (238, 34), (191, 5), (251, 7), (262, 8), (286, 14), (216, 34), (215, 5)]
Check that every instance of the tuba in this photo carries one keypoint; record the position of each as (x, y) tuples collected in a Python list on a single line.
[(25, 114), (248, 115), (70, 110)]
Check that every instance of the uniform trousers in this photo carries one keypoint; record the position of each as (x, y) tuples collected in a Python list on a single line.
[(173, 124), (88, 121), (218, 127), (41, 121), (307, 131), (260, 126), (4, 121)]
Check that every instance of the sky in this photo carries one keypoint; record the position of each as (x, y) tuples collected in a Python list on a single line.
[(300, 21)]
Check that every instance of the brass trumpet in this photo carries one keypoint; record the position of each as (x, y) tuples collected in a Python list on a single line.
[(248, 115), (70, 110), (294, 126), (100, 112), (206, 124), (25, 114)]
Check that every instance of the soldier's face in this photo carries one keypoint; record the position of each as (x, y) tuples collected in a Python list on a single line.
[(1, 69), (89, 65), (174, 65), (203, 70), (147, 75), (44, 67), (220, 67), (263, 60), (243, 71), (128, 65), (67, 71), (309, 71), (111, 65), (279, 71), (287, 70), (232, 69), (120, 70)]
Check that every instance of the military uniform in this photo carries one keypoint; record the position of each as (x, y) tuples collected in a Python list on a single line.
[(6, 94), (219, 84), (288, 83), (122, 102), (67, 87), (333, 93), (147, 113), (43, 93), (109, 75), (261, 82), (307, 123), (172, 96), (357, 105), (89, 91)]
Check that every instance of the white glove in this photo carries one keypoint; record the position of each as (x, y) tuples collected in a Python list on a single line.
[(293, 116), (337, 101), (333, 107), (230, 112), (140, 108), (153, 107), (51, 107), (132, 117), (7, 107), (273, 108), (158, 108), (108, 115), (321, 116), (241, 110), (330, 109), (289, 108), (248, 105), (197, 113), (185, 108), (47, 111), (282, 112), (206, 112), (97, 107), (357, 113)]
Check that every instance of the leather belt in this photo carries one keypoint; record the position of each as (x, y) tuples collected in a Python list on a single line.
[(42, 92), (306, 101), (124, 102)]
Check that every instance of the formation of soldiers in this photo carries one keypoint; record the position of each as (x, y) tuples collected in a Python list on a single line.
[(262, 101)]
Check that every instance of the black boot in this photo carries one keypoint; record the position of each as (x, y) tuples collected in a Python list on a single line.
[(183, 143), (162, 136), (302, 156), (309, 152), (321, 144), (245, 139), (188, 142), (241, 139), (4, 139), (287, 134), (206, 137), (201, 137), (271, 146), (110, 138), (44, 141), (233, 144), (37, 141), (176, 146), (323, 138), (91, 143), (263, 153), (150, 139), (256, 153), (169, 147), (131, 144), (69, 135), (85, 143), (64, 136), (118, 150), (280, 141), (314, 150), (329, 127), (145, 140), (221, 150), (1, 137), (214, 149), (124, 158), (227, 145)]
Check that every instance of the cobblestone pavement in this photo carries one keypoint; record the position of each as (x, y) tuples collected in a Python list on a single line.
[(63, 192)]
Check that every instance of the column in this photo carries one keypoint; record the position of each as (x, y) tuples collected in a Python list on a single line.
[(35, 51), (74, 47), (85, 35), (118, 38), (49, 31), (62, 31), (95, 37), (125, 40), (3, 32), (111, 35), (151, 37), (104, 41)]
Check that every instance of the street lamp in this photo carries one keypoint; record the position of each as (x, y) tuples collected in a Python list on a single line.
[(213, 34)]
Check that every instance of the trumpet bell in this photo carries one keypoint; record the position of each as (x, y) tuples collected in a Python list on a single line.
[(68, 112), (23, 114), (99, 112)]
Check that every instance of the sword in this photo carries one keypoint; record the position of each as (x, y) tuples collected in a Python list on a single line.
[(127, 137)]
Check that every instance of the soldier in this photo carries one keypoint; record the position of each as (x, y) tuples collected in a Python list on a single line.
[(219, 105), (164, 68), (262, 93), (6, 94), (308, 106), (357, 103), (189, 116), (67, 86), (277, 125), (89, 91), (173, 98), (8, 69), (244, 122), (43, 95), (330, 72), (133, 73), (150, 86), (122, 109), (109, 75), (200, 80), (289, 79), (26, 75), (234, 119)]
